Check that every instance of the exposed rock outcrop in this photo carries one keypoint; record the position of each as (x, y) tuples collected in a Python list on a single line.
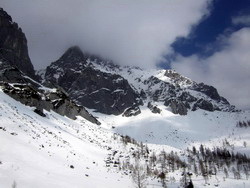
[(132, 111), (210, 91), (49, 100), (177, 107), (13, 45), (154, 109), (12, 74), (204, 105), (176, 77), (186, 97)]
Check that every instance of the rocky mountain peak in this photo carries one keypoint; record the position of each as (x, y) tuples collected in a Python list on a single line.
[(4, 14), (112, 89), (92, 87), (13, 45), (73, 54), (176, 77)]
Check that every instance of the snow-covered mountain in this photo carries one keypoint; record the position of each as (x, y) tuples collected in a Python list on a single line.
[(87, 122), (111, 89)]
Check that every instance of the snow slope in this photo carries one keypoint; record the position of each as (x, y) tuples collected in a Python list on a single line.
[(55, 151), (180, 132), (38, 152)]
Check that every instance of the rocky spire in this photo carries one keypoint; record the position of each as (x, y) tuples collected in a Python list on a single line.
[(13, 45)]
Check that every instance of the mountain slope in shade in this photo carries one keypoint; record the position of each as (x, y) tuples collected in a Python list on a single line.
[(105, 92)]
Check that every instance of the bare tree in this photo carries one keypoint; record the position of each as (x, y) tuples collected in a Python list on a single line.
[(139, 176), (244, 144), (13, 185), (246, 172), (162, 176), (226, 172)]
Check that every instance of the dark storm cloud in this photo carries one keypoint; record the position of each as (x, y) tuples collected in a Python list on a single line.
[(131, 32)]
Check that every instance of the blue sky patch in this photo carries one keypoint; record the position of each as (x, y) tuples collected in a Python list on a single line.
[(203, 39)]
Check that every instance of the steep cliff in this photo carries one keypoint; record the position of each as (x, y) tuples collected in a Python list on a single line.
[(13, 45)]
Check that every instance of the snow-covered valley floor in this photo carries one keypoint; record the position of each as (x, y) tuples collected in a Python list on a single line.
[(55, 151)]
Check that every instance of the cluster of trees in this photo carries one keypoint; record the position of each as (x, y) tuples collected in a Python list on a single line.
[(127, 139), (243, 124), (207, 162), (201, 161), (147, 163), (152, 165)]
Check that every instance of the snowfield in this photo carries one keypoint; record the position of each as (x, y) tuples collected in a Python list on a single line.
[(55, 151), (39, 152)]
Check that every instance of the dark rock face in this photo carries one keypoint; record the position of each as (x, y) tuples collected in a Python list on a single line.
[(109, 94), (207, 90), (132, 111), (73, 54), (64, 106), (205, 105), (92, 88), (164, 90), (13, 45), (143, 95), (154, 109), (12, 74), (177, 107), (56, 101), (39, 112), (186, 97)]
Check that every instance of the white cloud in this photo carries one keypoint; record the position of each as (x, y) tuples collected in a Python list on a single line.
[(227, 70), (131, 32), (242, 20)]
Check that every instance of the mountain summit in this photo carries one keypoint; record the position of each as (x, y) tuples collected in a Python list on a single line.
[(73, 54), (93, 88), (112, 89)]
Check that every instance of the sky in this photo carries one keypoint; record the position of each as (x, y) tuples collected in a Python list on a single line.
[(131, 32), (206, 40), (217, 51)]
